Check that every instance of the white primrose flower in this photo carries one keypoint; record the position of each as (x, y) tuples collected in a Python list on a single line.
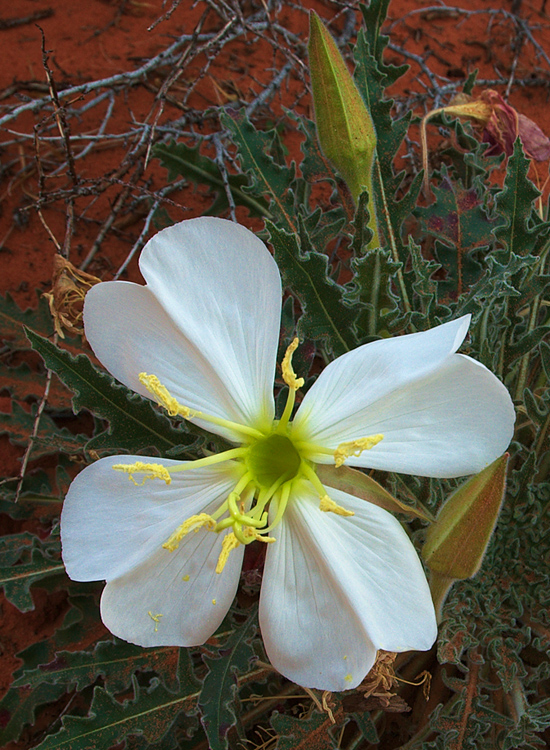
[(341, 578)]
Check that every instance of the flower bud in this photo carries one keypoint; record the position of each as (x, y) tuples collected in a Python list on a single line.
[(458, 539), (344, 124)]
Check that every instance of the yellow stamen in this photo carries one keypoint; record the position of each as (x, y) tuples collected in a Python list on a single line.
[(229, 542), (155, 619), (192, 524), (289, 376), (328, 505), (151, 471), (305, 448), (355, 448), (314, 479), (162, 395), (174, 408), (215, 458)]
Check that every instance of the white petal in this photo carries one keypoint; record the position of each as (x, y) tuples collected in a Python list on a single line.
[(207, 323), (182, 586), (109, 526), (370, 372), (441, 414), (336, 589)]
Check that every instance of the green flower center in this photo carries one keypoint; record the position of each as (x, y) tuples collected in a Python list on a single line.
[(273, 459), (272, 462)]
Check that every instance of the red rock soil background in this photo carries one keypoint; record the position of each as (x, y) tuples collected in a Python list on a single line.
[(94, 205)]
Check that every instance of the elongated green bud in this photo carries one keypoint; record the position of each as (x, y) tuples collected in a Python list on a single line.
[(344, 125), (458, 539)]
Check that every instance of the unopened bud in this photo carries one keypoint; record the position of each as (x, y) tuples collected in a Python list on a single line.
[(458, 539), (344, 124)]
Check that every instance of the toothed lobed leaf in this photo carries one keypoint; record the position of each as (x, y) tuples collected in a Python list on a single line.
[(23, 566), (219, 704), (12, 320), (325, 313), (134, 423), (186, 161)]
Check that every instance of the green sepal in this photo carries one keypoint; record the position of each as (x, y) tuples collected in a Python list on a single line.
[(360, 485)]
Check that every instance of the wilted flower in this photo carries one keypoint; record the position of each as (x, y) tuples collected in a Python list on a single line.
[(341, 577), (66, 297), (502, 124)]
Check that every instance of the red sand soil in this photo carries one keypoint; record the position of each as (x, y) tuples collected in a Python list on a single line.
[(87, 41)]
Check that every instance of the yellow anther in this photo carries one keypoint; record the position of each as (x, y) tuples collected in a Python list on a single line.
[(192, 524), (355, 448), (255, 535), (229, 542), (155, 619), (151, 471), (329, 506), (289, 376), (163, 397)]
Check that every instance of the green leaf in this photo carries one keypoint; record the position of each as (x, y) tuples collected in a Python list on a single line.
[(18, 708), (520, 229), (218, 700), (536, 409), (13, 545), (374, 15), (325, 315), (150, 714), (303, 733), (12, 320), (527, 342), (456, 218), (49, 438), (465, 721), (22, 383), (115, 661), (425, 289), (134, 423), (184, 161), (366, 726), (373, 76), (267, 177), (314, 165), (372, 289), (32, 563)]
